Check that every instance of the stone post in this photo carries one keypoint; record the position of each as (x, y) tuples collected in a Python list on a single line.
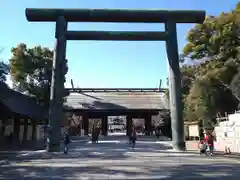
[(57, 85), (175, 105)]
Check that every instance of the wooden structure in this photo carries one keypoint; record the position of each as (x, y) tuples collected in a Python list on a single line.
[(19, 110), (101, 103), (192, 130), (169, 18)]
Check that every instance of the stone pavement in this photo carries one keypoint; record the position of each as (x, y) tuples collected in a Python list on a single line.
[(113, 158), (219, 149)]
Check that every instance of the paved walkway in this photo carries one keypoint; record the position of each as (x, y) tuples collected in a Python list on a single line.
[(113, 158)]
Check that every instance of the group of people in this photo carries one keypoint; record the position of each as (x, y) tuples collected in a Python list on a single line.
[(207, 143), (95, 137)]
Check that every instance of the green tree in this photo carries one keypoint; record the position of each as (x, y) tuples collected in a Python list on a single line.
[(187, 76), (207, 97), (235, 85), (4, 70), (31, 71), (214, 45)]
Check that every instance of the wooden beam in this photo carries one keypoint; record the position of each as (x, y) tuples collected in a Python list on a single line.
[(118, 112), (116, 35), (116, 15), (115, 89)]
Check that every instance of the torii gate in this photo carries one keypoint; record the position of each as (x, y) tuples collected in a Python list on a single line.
[(169, 18)]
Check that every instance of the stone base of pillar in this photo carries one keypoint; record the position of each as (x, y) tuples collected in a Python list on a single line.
[(53, 147), (148, 133), (105, 133), (85, 133), (179, 146)]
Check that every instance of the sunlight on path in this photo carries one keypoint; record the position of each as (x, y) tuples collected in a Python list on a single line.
[(112, 160)]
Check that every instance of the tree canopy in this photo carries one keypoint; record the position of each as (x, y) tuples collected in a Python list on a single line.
[(3, 71), (210, 85), (31, 71)]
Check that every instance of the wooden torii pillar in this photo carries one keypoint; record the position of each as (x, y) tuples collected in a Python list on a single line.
[(63, 16)]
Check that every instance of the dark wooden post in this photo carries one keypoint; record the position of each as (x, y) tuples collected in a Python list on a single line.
[(175, 87), (25, 129), (129, 124), (34, 129), (57, 85), (104, 125), (148, 124), (16, 129), (85, 123), (3, 128)]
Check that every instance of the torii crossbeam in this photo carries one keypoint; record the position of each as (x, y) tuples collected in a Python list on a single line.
[(169, 18)]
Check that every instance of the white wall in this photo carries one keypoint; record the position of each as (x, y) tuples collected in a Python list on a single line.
[(228, 133)]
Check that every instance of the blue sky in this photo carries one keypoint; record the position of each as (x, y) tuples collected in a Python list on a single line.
[(98, 63)]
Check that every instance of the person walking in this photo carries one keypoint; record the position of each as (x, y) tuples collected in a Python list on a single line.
[(133, 138), (94, 135), (97, 133), (130, 138), (66, 142), (209, 140), (157, 132)]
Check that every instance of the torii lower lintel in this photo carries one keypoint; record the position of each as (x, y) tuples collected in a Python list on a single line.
[(116, 35)]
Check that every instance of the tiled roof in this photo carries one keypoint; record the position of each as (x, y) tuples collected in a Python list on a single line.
[(116, 100), (20, 103)]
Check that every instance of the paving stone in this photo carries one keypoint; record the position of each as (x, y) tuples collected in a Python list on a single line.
[(117, 160)]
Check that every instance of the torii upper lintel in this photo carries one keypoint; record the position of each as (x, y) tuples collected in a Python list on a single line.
[(116, 15)]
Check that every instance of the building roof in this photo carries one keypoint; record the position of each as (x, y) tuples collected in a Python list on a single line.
[(21, 104), (137, 100)]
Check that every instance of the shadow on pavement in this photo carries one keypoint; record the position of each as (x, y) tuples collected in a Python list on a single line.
[(102, 150), (117, 160), (212, 171)]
